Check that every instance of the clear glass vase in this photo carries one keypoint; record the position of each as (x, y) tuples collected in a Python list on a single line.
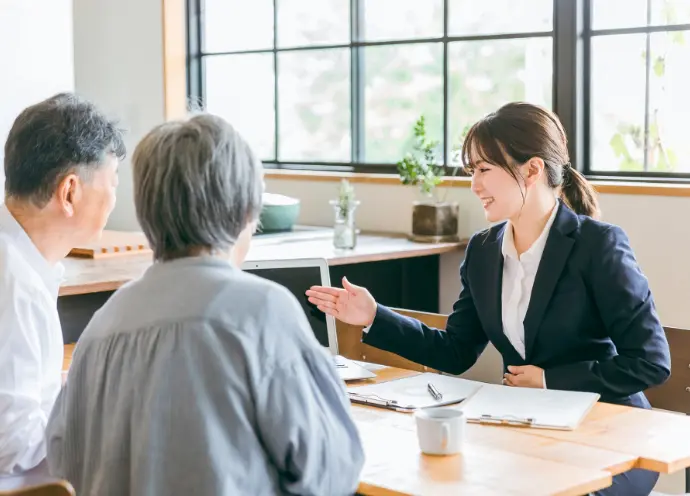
[(344, 229)]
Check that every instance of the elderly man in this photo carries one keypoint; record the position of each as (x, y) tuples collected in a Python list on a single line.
[(199, 378), (61, 160)]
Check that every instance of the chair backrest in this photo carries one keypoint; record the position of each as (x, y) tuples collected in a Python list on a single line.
[(674, 395), (350, 342), (56, 488)]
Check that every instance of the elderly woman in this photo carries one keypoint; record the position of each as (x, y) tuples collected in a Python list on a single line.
[(199, 378)]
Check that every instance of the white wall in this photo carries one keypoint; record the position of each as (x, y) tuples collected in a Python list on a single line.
[(118, 61), (36, 57)]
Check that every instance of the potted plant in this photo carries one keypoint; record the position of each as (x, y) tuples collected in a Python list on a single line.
[(433, 219)]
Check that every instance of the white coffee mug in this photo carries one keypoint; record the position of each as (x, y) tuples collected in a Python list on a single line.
[(440, 431)]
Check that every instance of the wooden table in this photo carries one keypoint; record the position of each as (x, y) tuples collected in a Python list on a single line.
[(493, 462), (611, 438), (33, 482), (659, 440), (506, 460)]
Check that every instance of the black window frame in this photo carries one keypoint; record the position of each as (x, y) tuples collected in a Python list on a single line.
[(572, 35), (588, 33)]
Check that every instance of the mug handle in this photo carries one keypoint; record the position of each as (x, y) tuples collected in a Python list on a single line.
[(445, 435)]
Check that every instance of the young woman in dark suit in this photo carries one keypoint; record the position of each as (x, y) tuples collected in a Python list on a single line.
[(558, 293)]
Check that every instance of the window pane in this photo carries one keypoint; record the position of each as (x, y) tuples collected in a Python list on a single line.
[(240, 89), (313, 22), (402, 82), (232, 25), (469, 17), (484, 75), (669, 102), (670, 12), (400, 19), (617, 102), (612, 14), (314, 105)]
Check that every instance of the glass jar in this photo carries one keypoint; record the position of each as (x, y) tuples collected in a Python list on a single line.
[(344, 229)]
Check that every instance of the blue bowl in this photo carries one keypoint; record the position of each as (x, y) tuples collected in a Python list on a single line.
[(279, 213)]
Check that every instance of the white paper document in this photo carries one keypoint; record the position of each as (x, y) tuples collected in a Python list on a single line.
[(541, 408), (412, 393)]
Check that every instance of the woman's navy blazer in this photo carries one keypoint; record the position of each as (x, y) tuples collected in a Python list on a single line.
[(591, 323)]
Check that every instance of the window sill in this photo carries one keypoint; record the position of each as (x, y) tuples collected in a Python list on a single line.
[(604, 187)]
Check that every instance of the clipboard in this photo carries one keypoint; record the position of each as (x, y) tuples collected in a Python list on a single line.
[(526, 407), (409, 394), (380, 402)]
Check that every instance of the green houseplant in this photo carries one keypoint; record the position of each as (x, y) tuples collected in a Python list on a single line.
[(433, 219)]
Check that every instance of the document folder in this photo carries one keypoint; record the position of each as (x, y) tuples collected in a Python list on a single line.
[(528, 407), (412, 393), (481, 402)]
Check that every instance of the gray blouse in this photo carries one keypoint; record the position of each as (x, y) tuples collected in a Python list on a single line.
[(201, 379)]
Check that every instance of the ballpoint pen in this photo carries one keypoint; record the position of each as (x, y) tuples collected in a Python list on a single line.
[(435, 393)]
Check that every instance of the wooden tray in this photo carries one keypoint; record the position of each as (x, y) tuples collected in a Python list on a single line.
[(113, 244)]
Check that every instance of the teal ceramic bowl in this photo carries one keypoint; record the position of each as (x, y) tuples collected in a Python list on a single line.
[(279, 213)]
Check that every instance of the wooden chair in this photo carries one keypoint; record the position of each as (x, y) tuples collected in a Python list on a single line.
[(674, 395), (350, 342), (56, 488)]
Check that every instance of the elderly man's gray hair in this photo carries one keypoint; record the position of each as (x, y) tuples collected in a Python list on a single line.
[(53, 138), (197, 185)]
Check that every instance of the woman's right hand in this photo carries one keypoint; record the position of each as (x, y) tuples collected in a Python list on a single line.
[(352, 304)]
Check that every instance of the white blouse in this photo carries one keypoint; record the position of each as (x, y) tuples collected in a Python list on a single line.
[(518, 279)]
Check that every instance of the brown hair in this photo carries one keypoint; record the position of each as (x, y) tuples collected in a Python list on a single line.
[(521, 131)]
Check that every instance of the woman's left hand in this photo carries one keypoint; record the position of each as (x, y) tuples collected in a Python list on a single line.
[(524, 376)]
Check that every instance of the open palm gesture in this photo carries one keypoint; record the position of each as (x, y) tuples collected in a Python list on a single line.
[(352, 304)]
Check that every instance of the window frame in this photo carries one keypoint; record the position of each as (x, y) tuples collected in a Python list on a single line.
[(572, 36), (588, 34)]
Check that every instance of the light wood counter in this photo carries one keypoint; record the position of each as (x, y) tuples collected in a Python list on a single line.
[(83, 275)]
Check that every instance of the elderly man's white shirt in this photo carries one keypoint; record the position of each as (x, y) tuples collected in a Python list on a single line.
[(31, 347)]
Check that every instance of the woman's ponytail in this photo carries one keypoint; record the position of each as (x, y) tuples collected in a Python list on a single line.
[(578, 193)]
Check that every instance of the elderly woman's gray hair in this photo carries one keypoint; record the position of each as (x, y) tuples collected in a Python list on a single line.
[(197, 185)]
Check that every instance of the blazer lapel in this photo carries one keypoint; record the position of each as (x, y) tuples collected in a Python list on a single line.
[(553, 260), (494, 269)]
